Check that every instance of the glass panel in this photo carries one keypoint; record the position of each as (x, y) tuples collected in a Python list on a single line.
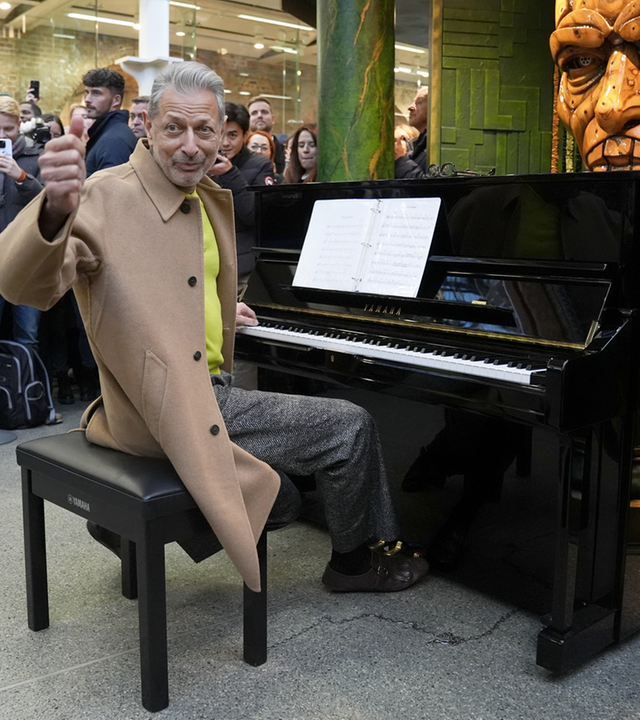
[(412, 64), (59, 47), (531, 307)]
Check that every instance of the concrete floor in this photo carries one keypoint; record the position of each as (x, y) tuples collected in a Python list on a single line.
[(439, 650)]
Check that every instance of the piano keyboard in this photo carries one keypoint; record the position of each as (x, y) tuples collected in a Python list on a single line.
[(405, 353)]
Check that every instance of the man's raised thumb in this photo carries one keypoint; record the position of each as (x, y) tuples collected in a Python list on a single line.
[(77, 126)]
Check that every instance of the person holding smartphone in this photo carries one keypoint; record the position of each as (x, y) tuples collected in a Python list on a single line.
[(19, 184)]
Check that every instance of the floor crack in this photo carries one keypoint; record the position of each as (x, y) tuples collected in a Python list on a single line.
[(443, 638)]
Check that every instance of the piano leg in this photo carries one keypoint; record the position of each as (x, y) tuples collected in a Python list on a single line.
[(589, 560)]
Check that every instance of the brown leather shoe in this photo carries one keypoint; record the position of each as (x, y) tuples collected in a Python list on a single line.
[(387, 574)]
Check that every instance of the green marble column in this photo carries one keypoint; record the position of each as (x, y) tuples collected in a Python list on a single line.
[(355, 89)]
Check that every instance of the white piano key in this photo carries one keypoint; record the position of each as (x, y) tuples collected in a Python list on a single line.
[(397, 352)]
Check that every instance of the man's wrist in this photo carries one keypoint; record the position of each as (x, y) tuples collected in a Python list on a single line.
[(51, 220), (22, 178)]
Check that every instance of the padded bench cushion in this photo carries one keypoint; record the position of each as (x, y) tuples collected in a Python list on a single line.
[(151, 481)]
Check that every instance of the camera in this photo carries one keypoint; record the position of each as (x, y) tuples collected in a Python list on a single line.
[(41, 134), (37, 130), (6, 147)]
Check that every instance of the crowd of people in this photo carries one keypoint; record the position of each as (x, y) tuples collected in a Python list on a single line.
[(250, 154)]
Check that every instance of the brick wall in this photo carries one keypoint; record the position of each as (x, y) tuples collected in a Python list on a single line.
[(59, 64)]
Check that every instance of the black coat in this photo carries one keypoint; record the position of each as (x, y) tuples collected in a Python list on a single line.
[(249, 168), (279, 156), (110, 141), (414, 163)]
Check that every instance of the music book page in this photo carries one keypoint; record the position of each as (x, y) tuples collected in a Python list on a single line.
[(378, 247)]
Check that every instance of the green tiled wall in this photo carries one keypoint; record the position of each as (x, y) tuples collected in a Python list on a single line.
[(497, 85)]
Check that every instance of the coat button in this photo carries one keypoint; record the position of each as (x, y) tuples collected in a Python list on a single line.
[(197, 355), (214, 429), (193, 280), (185, 208)]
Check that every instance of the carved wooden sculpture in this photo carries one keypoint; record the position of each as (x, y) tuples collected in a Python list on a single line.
[(595, 47)]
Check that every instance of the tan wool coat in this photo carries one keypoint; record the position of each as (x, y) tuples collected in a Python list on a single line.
[(133, 254)]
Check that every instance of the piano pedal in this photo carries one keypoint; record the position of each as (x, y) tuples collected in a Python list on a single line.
[(396, 547)]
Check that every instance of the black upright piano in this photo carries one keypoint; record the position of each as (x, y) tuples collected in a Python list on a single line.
[(527, 311)]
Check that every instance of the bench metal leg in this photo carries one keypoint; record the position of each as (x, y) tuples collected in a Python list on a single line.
[(255, 613), (152, 613), (129, 569), (35, 555)]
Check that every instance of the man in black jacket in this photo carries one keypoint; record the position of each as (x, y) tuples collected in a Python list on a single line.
[(411, 162), (110, 138), (236, 169)]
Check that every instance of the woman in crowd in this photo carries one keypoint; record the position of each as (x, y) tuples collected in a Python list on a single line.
[(304, 156), (405, 135), (287, 151), (77, 109), (55, 125), (261, 142)]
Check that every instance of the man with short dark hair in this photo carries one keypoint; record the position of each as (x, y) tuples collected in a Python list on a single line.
[(261, 117), (136, 116), (236, 169), (29, 110), (110, 139)]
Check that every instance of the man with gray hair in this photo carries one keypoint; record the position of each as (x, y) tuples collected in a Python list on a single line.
[(149, 249)]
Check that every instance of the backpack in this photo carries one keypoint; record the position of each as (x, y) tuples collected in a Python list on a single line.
[(25, 392)]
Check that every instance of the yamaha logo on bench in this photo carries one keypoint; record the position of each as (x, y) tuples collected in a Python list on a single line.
[(76, 502)]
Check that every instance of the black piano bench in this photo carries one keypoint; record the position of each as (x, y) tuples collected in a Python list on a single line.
[(144, 501)]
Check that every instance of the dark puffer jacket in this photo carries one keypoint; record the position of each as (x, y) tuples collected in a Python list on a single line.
[(414, 163), (249, 168), (111, 141)]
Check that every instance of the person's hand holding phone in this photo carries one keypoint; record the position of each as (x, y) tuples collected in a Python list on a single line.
[(8, 165), (33, 92)]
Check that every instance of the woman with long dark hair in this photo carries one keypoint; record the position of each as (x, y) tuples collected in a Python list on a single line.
[(303, 165)]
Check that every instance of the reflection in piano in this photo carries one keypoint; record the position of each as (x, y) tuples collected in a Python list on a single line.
[(526, 312)]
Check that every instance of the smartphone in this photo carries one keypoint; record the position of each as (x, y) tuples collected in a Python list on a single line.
[(35, 87), (5, 147)]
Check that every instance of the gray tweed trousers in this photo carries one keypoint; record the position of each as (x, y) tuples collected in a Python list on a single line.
[(334, 440)]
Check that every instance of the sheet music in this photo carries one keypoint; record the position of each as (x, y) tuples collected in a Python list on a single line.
[(372, 246), (333, 245)]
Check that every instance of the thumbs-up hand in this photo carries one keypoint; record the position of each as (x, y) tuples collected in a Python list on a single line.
[(63, 173)]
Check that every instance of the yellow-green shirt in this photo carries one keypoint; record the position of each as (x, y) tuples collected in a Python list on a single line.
[(212, 307)]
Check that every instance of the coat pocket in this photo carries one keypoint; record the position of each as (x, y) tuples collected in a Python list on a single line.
[(154, 383)]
